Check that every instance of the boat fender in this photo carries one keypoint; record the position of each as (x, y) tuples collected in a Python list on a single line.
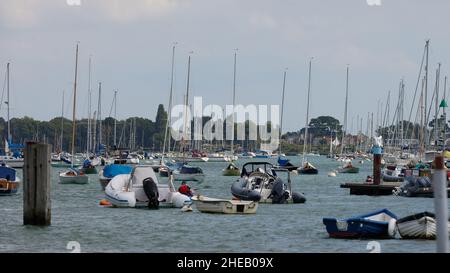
[(392, 228), (151, 190)]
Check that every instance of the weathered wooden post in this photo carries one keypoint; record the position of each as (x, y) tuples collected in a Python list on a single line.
[(441, 204), (376, 165), (36, 185)]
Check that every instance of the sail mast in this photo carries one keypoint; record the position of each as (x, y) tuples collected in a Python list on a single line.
[(62, 122), (115, 118), (234, 101), (305, 143), (169, 108), (88, 145), (282, 111), (186, 105), (345, 114), (427, 46), (7, 98), (74, 106), (99, 115)]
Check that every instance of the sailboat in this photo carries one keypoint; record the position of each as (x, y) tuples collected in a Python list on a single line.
[(72, 175), (282, 161), (233, 170), (307, 167), (186, 172), (348, 167), (13, 157)]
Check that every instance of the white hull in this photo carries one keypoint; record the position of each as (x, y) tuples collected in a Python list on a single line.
[(212, 205), (13, 163), (78, 179), (117, 194), (423, 228)]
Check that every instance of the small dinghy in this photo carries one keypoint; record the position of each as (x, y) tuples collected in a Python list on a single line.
[(286, 164), (348, 168), (379, 225), (110, 171), (73, 176), (88, 167), (9, 182), (418, 226), (231, 170), (141, 188), (308, 168), (214, 205), (259, 182)]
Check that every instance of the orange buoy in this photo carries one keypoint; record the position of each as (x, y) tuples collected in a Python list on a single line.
[(104, 202)]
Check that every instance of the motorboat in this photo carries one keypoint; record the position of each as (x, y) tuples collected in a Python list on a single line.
[(416, 187), (259, 182), (214, 205), (379, 224), (11, 161), (188, 173), (141, 188), (231, 170), (9, 182)]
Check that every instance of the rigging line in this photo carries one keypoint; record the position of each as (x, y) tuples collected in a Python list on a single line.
[(417, 86), (112, 106)]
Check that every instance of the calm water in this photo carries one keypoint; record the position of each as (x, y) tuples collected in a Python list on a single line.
[(76, 216)]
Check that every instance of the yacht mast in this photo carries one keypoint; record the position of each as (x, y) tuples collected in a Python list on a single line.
[(8, 103), (282, 111), (234, 101), (345, 114), (305, 143), (169, 108), (74, 106)]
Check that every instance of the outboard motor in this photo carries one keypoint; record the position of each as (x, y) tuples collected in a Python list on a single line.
[(298, 198), (151, 190), (278, 194)]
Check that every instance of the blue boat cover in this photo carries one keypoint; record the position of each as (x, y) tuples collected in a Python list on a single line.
[(7, 173), (87, 163), (283, 161), (112, 170)]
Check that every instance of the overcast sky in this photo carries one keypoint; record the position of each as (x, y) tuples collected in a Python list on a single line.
[(130, 44)]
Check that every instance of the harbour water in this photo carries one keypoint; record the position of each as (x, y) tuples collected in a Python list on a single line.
[(76, 216)]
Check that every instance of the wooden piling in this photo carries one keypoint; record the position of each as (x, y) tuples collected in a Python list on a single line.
[(37, 185), (377, 169)]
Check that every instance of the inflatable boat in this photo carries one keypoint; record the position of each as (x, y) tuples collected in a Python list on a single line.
[(141, 188)]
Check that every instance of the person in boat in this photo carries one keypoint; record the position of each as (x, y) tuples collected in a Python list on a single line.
[(185, 189), (369, 179), (348, 165)]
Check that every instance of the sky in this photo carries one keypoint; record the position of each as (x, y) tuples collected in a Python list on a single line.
[(130, 44)]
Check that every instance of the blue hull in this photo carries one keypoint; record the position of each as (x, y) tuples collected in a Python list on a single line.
[(359, 227)]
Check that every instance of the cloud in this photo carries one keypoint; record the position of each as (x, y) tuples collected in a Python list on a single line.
[(126, 11), (31, 13)]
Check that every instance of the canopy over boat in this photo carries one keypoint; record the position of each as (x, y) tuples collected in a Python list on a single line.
[(7, 173), (112, 170)]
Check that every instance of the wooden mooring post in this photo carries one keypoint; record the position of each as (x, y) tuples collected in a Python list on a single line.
[(36, 185)]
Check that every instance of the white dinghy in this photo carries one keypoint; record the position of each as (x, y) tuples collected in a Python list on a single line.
[(418, 226), (142, 189), (213, 205)]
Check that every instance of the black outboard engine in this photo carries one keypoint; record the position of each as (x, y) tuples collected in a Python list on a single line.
[(151, 190), (278, 194)]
